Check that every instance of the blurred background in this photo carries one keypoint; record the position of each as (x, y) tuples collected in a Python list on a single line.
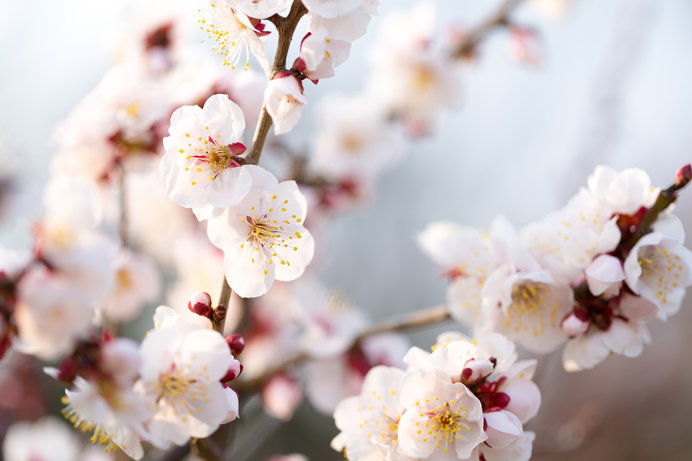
[(612, 87)]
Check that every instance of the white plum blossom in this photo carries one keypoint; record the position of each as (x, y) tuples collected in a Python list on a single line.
[(411, 80), (626, 336), (621, 192), (264, 237), (369, 422), (321, 54), (182, 365), (52, 313), (441, 419), (284, 101), (57, 441), (234, 31), (467, 257), (527, 306), (348, 27), (488, 366), (198, 169), (113, 409), (352, 139), (566, 241), (137, 282), (658, 269)]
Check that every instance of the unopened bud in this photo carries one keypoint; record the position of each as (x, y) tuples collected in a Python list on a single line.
[(219, 314), (236, 343), (233, 372), (200, 303), (683, 175), (573, 325), (476, 370)]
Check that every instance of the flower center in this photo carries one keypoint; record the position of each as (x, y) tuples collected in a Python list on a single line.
[(445, 422), (261, 232), (661, 269), (179, 392), (527, 298), (219, 159)]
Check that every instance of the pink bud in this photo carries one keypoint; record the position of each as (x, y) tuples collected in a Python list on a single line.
[(200, 303), (573, 326), (683, 175), (476, 370), (233, 372), (236, 343)]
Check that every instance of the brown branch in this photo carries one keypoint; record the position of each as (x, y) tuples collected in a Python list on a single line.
[(285, 27), (122, 199), (418, 319), (499, 19)]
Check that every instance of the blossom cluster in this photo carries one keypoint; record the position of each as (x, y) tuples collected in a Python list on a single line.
[(165, 391), (468, 399), (590, 274)]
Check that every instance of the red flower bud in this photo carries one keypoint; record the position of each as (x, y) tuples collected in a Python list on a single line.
[(200, 303)]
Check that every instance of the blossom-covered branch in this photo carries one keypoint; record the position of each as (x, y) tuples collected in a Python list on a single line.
[(418, 319)]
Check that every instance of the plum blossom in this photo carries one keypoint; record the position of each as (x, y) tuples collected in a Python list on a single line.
[(264, 237), (658, 268), (52, 313), (57, 441), (625, 335), (198, 169), (137, 281), (110, 406), (182, 365), (284, 101), (321, 54), (369, 422), (234, 31), (411, 79), (352, 139), (488, 366), (441, 418), (347, 27), (467, 257)]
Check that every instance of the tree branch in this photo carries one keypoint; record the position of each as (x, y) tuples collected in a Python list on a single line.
[(285, 28), (499, 19), (418, 319)]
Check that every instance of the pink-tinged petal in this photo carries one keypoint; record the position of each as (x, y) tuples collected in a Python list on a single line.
[(603, 272), (503, 428), (525, 398), (636, 307), (519, 450)]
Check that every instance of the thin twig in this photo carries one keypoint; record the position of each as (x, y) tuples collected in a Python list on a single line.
[(122, 198), (498, 19), (418, 319)]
